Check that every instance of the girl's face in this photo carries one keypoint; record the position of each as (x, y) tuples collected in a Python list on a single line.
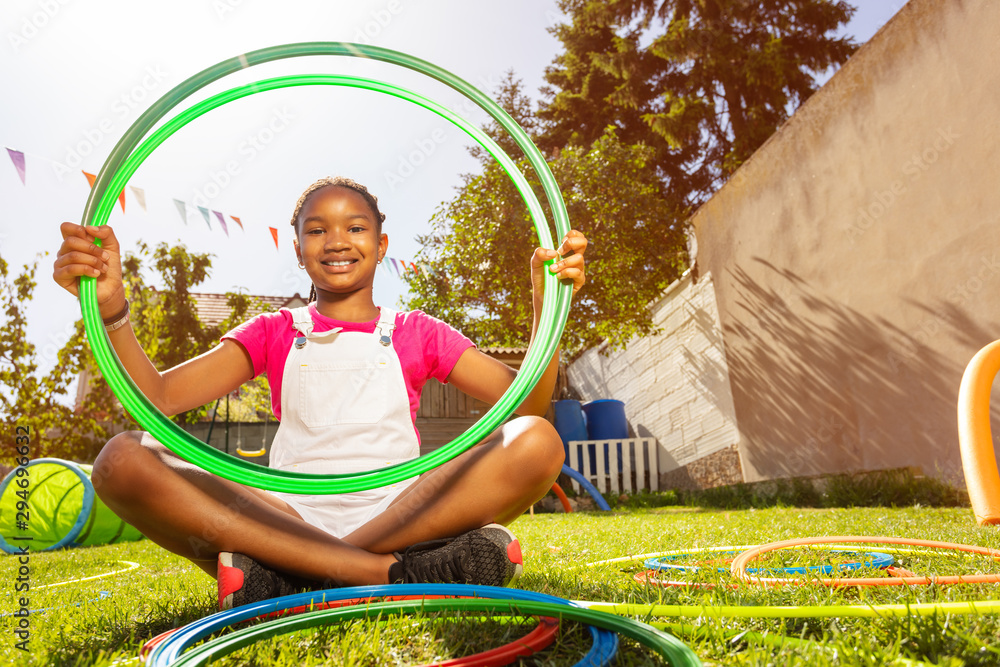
[(338, 240)]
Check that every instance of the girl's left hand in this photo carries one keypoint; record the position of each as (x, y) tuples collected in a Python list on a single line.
[(569, 267)]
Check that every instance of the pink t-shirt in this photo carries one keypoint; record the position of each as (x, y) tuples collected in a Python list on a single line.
[(426, 347)]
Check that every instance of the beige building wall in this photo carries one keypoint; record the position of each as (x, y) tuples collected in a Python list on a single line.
[(675, 386), (856, 256)]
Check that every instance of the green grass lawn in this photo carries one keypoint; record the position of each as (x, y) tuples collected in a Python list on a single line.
[(104, 621)]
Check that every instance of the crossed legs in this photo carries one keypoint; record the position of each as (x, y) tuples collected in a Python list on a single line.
[(196, 514)]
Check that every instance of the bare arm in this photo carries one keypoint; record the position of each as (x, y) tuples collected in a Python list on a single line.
[(487, 379), (184, 387)]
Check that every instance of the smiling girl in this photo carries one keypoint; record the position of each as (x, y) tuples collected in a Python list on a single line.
[(345, 378)]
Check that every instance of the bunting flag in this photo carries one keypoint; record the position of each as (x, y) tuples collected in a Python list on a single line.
[(140, 196), (204, 214), (182, 209), (390, 265), (222, 221), (92, 178), (17, 157)]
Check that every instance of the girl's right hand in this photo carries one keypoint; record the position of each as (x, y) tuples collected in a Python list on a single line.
[(79, 256)]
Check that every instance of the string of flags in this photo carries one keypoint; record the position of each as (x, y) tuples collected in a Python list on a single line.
[(391, 265)]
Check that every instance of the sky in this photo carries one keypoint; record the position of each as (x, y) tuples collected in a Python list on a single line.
[(75, 75)]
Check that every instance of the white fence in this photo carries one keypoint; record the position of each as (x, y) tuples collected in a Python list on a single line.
[(639, 464)]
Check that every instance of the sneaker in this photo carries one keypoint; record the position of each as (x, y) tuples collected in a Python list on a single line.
[(487, 556), (242, 580)]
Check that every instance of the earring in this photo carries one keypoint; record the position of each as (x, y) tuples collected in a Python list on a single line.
[(301, 265)]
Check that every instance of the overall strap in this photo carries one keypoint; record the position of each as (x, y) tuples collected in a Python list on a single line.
[(301, 320)]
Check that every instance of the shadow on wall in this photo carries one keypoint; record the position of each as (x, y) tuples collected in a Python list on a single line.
[(820, 388)]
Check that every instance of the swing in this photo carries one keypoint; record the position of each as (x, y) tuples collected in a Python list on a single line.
[(254, 452)]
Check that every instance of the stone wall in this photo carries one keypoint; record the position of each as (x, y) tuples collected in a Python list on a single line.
[(675, 386)]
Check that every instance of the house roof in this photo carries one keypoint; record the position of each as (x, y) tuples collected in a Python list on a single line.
[(212, 308), (512, 351)]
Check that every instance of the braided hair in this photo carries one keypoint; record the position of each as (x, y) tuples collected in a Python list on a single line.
[(342, 182)]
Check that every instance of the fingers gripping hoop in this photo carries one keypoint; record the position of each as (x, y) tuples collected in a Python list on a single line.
[(128, 155)]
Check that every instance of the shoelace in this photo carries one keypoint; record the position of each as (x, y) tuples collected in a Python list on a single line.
[(437, 567)]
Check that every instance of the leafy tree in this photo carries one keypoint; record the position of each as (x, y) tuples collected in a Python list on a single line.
[(482, 241), (29, 398), (704, 82)]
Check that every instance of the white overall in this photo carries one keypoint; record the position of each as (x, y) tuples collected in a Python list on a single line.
[(344, 409)]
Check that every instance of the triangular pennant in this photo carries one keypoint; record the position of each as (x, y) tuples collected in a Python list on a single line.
[(17, 157), (204, 214), (182, 209), (92, 178), (140, 196), (274, 235), (222, 221), (396, 267), (238, 222)]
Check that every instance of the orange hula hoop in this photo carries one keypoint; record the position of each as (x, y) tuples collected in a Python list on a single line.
[(562, 498), (739, 565)]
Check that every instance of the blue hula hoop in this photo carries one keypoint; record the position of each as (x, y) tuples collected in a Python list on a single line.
[(171, 649), (872, 559), (587, 486)]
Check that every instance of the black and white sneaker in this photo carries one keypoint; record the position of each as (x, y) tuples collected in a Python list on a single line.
[(242, 580), (487, 556)]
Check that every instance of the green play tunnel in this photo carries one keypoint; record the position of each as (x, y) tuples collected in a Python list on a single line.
[(62, 509)]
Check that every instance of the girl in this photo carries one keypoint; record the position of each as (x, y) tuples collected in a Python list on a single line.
[(345, 378)]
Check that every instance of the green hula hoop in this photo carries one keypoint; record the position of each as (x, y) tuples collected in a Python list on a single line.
[(675, 651), (125, 159)]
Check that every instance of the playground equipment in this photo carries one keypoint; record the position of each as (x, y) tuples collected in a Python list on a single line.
[(61, 509)]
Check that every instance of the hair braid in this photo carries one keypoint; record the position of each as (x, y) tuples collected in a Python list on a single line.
[(342, 182)]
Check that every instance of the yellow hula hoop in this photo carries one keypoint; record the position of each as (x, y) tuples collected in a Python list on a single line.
[(974, 436), (829, 611)]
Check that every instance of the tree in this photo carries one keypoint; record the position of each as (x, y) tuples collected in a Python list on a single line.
[(704, 82), (29, 398), (482, 241), (167, 326)]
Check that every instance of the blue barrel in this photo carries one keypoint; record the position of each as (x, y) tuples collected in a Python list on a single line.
[(571, 423), (605, 421)]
